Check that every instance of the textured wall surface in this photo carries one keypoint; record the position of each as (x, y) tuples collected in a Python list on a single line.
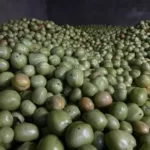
[(119, 12), (15, 9)]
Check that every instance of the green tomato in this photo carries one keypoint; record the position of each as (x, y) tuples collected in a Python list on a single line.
[(98, 141), (120, 86), (108, 56), (38, 81), (49, 94), (6, 135), (146, 72), (119, 79), (75, 77), (129, 88), (83, 58), (138, 96), (58, 120), (111, 71), (146, 108), (101, 71), (5, 52), (27, 146), (126, 126), (120, 95), (4, 65), (102, 99), (60, 72), (79, 52), (6, 118), (87, 73), (75, 95), (54, 60), (66, 91), (120, 45), (80, 67), (110, 89), (5, 79), (100, 82), (58, 50), (87, 147), (94, 63), (29, 70), (145, 146), (2, 148), (140, 127), (98, 122), (50, 142), (73, 111), (35, 47), (45, 51), (135, 113), (40, 116), (119, 110), (146, 120), (89, 89), (78, 134), (124, 64), (26, 95), (18, 60), (7, 146), (39, 95), (68, 52), (135, 73), (26, 42), (145, 67), (107, 64), (116, 63), (9, 100), (21, 48), (145, 138), (21, 82), (55, 86), (86, 64), (56, 102), (111, 79), (143, 81), (43, 68), (113, 123), (65, 64), (35, 58), (128, 79), (51, 72), (26, 132), (119, 140), (27, 108)]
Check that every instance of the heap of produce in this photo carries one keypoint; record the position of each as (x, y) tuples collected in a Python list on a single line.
[(74, 88)]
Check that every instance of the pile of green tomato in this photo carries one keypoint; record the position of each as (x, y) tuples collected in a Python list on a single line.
[(74, 88)]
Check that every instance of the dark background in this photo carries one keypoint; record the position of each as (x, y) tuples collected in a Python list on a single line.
[(76, 12)]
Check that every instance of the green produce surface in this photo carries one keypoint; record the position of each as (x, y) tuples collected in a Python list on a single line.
[(68, 87)]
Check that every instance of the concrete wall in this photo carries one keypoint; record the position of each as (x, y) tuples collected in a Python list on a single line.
[(115, 12), (119, 12), (15, 9)]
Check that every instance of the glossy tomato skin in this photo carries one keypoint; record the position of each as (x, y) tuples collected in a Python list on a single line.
[(10, 100), (58, 120), (50, 142), (26, 132), (78, 129), (138, 96), (114, 138), (98, 122)]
